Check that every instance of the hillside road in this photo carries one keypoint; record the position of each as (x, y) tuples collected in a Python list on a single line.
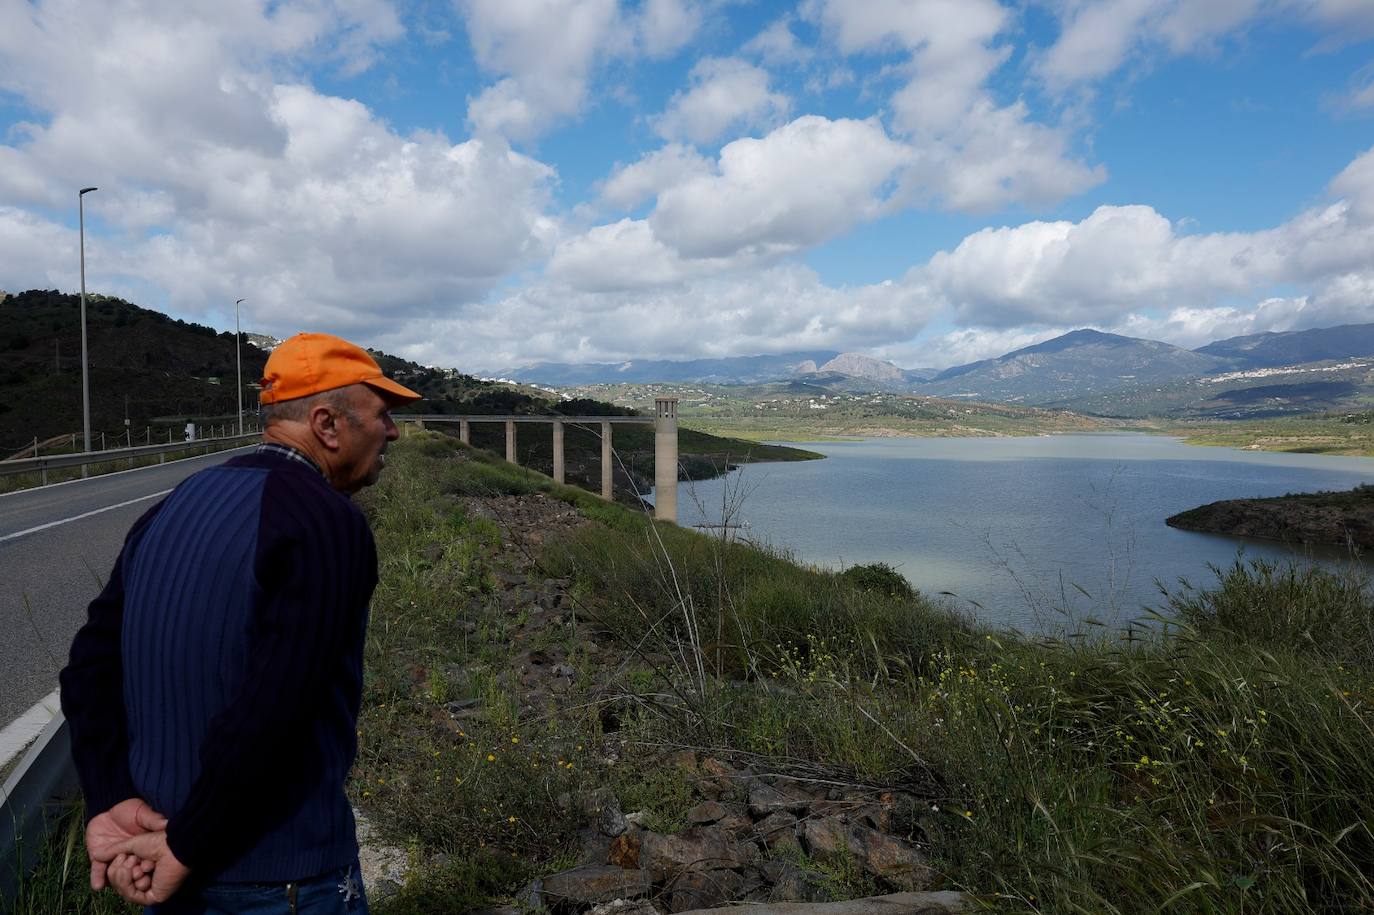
[(57, 545)]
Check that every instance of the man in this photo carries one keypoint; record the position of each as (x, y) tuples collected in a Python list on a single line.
[(218, 677)]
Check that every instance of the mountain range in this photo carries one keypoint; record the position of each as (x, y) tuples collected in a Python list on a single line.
[(1088, 370)]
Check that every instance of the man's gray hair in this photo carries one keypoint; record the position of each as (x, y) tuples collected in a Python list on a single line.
[(298, 410)]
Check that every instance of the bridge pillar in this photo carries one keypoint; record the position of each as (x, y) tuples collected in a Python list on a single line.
[(510, 440), (464, 432), (558, 451), (665, 458), (606, 461)]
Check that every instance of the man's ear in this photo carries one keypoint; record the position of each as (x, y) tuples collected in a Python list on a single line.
[(324, 423)]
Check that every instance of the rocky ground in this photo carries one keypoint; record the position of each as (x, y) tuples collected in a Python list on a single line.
[(746, 834), (1341, 519)]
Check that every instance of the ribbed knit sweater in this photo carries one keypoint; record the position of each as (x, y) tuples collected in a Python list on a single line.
[(219, 674)]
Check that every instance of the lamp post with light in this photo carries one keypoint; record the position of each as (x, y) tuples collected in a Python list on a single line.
[(85, 365), (238, 359)]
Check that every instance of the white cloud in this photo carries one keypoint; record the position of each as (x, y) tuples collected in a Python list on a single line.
[(666, 26), (626, 255), (1345, 21), (803, 183), (366, 225), (724, 93), (807, 181), (546, 51), (35, 253), (774, 310), (972, 153), (218, 182), (631, 185), (1098, 38), (1124, 259), (1360, 93), (777, 46), (964, 345)]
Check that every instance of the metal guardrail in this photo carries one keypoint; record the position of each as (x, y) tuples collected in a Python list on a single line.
[(36, 794), (45, 463)]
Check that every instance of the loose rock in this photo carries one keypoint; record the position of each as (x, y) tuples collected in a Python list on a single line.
[(584, 886)]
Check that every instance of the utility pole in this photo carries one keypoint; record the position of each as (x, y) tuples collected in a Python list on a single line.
[(238, 359), (85, 365)]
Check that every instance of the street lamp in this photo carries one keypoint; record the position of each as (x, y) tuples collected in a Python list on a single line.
[(85, 366), (238, 358)]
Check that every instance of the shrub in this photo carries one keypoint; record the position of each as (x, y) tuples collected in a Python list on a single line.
[(1285, 606), (881, 578)]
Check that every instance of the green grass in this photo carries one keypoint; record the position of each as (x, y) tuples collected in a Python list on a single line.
[(61, 881)]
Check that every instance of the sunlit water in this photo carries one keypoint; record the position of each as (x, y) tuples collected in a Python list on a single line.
[(1016, 530)]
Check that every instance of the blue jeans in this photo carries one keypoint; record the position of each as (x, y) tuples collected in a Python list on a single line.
[(338, 892)]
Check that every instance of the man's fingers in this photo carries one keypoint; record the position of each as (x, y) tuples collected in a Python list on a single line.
[(119, 875), (143, 846), (97, 875), (149, 819)]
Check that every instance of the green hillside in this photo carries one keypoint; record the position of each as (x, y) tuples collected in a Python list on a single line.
[(164, 370)]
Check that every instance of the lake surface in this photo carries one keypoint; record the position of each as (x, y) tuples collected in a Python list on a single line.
[(1017, 530)]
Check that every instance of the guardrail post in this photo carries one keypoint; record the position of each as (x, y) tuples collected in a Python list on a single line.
[(465, 432), (558, 451), (510, 440), (606, 461), (665, 458)]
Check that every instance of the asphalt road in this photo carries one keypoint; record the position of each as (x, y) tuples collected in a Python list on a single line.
[(57, 545)]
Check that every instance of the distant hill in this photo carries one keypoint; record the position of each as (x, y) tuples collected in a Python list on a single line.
[(1296, 346), (1329, 386), (163, 368), (861, 366), (1072, 365), (731, 370)]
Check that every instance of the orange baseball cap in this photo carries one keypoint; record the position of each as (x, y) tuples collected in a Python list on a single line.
[(310, 363)]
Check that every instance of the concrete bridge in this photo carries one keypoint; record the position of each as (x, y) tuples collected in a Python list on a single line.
[(664, 422)]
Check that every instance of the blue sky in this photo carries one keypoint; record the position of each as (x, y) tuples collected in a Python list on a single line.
[(487, 183)]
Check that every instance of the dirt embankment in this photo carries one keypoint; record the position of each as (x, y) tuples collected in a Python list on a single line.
[(1335, 518)]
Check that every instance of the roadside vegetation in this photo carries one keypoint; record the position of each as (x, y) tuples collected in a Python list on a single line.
[(1217, 762)]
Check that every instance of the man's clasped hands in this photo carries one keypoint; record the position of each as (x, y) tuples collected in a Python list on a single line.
[(128, 849)]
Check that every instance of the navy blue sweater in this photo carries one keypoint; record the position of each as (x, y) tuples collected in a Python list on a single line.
[(220, 671)]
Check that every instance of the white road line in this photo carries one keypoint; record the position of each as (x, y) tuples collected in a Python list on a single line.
[(107, 508), (20, 732)]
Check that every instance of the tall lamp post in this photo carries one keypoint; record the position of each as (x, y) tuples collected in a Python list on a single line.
[(85, 365), (238, 359)]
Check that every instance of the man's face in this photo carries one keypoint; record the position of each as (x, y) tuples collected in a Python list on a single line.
[(363, 438)]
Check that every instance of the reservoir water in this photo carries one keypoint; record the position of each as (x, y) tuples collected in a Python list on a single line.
[(1021, 532)]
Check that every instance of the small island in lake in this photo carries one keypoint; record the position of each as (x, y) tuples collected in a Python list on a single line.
[(1340, 518)]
